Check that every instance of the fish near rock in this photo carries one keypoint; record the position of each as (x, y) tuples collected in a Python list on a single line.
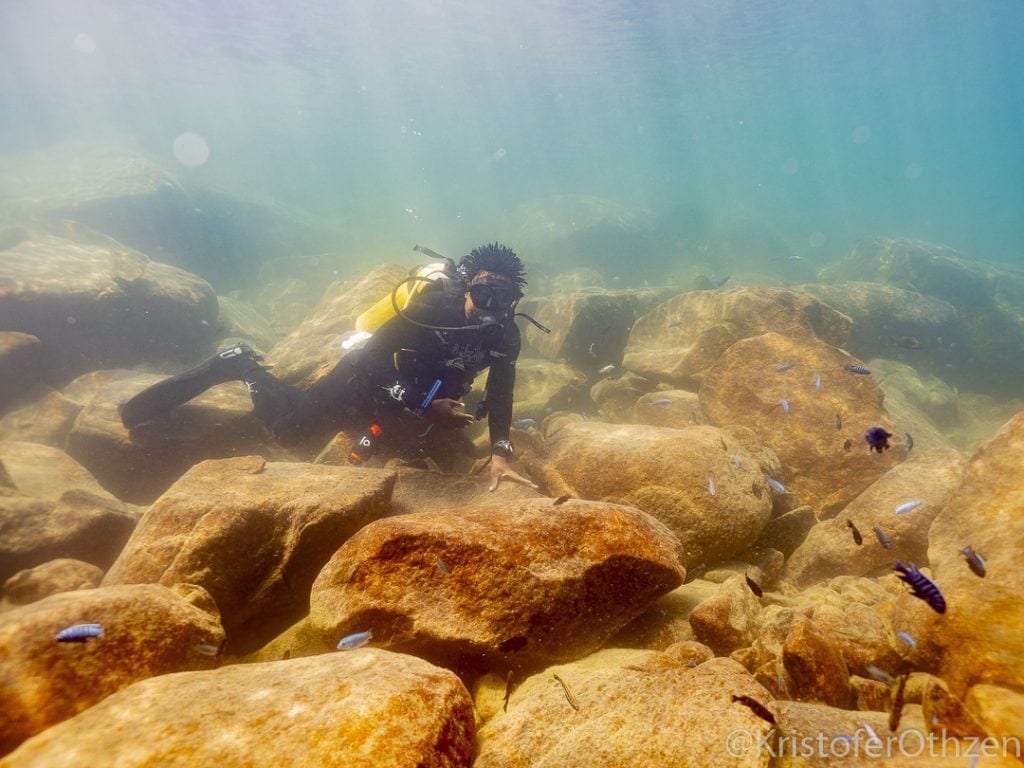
[(877, 439)]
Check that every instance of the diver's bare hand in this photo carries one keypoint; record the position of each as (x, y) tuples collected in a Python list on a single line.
[(448, 413), (502, 470)]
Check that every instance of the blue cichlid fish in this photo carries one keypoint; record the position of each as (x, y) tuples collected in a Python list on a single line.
[(712, 488), (907, 638), (660, 401), (356, 640), (526, 423), (785, 404), (884, 540), (774, 484), (79, 633), (817, 382), (974, 561)]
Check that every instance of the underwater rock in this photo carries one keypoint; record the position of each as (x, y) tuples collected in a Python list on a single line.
[(51, 578), (998, 711), (589, 330), (20, 367), (47, 420), (787, 531), (807, 426), (979, 637), (815, 666), (668, 473), (95, 303), (726, 621), (667, 622), (238, 320), (683, 409), (636, 708), (313, 348), (829, 549), (148, 630), (921, 390), (358, 709), (508, 583), (79, 524), (986, 297), (681, 339), (254, 534), (617, 397), (896, 323), (537, 382), (140, 464), (417, 490), (45, 472)]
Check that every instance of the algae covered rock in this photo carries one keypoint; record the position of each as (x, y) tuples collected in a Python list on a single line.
[(521, 583), (147, 630), (364, 709)]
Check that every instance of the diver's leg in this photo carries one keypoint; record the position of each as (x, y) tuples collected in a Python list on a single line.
[(151, 403)]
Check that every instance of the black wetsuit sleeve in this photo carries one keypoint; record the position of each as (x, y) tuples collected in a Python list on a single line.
[(501, 382)]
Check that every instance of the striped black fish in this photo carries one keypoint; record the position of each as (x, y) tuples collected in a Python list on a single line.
[(897, 704), (857, 538), (754, 586), (863, 370), (923, 587), (756, 707)]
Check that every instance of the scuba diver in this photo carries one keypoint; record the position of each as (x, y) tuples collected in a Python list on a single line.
[(423, 359)]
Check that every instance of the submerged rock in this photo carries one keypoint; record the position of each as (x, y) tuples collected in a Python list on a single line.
[(687, 478), (633, 708), (363, 709), (829, 549), (679, 340), (979, 636), (521, 583), (805, 424), (254, 534), (21, 367), (148, 630), (51, 578)]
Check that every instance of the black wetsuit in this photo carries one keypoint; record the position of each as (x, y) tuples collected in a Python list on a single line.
[(395, 370)]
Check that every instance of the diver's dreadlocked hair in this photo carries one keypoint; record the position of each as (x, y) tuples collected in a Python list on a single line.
[(494, 258)]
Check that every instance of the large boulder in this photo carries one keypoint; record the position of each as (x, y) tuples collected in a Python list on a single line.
[(47, 419), (20, 367), (52, 577), (364, 709), (78, 525), (44, 472), (588, 329), (987, 298), (830, 550), (138, 465), (896, 323), (979, 635), (147, 630), (523, 582), (626, 708), (816, 431), (706, 484), (679, 340), (252, 533), (95, 303)]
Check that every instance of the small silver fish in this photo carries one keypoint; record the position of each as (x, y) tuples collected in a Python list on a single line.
[(907, 638), (774, 484), (784, 367), (607, 369), (206, 649), (526, 423), (910, 442), (879, 674), (785, 404), (817, 381), (736, 462), (908, 506), (712, 488), (590, 349), (356, 640), (79, 633), (660, 401)]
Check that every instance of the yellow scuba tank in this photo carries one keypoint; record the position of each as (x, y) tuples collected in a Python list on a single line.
[(418, 280)]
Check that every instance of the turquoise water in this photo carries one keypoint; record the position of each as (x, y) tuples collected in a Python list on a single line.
[(818, 123)]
